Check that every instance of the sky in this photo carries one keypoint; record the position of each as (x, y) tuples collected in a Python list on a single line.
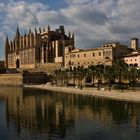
[(93, 22)]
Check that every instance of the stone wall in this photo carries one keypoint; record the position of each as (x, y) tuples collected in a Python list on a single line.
[(17, 79), (11, 79), (34, 78), (48, 67)]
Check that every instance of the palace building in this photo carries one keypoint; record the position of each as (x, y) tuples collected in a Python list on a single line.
[(133, 59), (105, 54), (38, 47)]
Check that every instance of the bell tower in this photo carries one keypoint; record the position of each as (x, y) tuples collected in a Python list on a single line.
[(134, 44)]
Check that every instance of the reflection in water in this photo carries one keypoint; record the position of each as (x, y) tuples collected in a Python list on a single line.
[(40, 114)]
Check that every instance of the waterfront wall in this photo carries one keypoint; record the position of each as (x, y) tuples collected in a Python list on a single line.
[(18, 79), (35, 78), (11, 79)]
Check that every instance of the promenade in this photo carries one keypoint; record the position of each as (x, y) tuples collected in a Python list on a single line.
[(126, 95)]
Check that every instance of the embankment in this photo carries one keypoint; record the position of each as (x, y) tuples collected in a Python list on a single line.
[(11, 79), (18, 79), (127, 95)]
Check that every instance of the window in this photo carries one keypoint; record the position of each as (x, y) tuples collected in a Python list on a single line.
[(84, 55), (135, 59), (78, 55), (99, 53), (93, 54)]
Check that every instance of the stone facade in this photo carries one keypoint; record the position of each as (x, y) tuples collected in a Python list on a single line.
[(105, 54), (45, 46), (133, 59)]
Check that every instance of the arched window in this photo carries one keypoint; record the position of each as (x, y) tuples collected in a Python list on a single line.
[(131, 65), (107, 57), (135, 65)]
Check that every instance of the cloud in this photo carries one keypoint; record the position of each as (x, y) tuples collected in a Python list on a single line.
[(92, 21), (81, 2), (22, 14), (107, 20)]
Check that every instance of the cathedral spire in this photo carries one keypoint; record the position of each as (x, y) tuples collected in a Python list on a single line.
[(73, 36), (40, 30), (35, 31), (48, 28), (17, 33), (30, 31), (69, 34), (7, 42)]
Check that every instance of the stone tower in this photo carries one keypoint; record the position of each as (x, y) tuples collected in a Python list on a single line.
[(134, 44)]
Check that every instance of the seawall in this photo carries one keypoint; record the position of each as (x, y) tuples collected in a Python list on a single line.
[(18, 79), (11, 79)]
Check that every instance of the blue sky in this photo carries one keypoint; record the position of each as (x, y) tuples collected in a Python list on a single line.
[(93, 22)]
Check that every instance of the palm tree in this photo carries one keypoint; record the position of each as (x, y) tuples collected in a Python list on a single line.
[(121, 72), (68, 75), (92, 73), (99, 69), (60, 76), (109, 75), (73, 74), (133, 76), (56, 77), (81, 73)]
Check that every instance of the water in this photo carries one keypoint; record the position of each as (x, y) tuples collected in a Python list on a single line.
[(27, 114)]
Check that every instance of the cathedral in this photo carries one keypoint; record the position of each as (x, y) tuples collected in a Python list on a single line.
[(38, 47)]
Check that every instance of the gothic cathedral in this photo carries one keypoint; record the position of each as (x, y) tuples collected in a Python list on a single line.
[(40, 47)]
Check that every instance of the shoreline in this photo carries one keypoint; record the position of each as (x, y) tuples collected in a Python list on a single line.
[(126, 95)]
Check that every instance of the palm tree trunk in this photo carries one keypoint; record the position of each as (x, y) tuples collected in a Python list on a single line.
[(74, 80), (109, 85), (133, 86), (98, 84)]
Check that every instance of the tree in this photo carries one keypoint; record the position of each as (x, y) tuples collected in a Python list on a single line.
[(73, 73), (121, 72), (92, 73), (99, 70), (81, 73), (133, 76), (56, 77), (109, 75)]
